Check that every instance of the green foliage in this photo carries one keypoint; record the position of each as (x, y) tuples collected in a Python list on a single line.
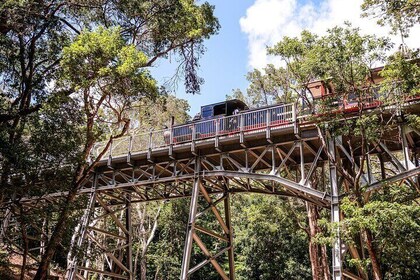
[(165, 253), (269, 245), (395, 227), (401, 78), (238, 94), (102, 56), (342, 58), (269, 88), (414, 121), (401, 15), (156, 114), (5, 271)]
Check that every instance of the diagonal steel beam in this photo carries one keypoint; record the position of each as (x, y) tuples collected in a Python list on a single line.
[(286, 158), (313, 166), (212, 259), (282, 181), (401, 176)]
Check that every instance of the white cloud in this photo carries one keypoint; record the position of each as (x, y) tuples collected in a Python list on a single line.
[(267, 21)]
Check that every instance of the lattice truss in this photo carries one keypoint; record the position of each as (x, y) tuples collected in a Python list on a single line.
[(313, 168)]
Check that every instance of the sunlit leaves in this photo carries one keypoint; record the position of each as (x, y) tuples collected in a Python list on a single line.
[(103, 55), (401, 15)]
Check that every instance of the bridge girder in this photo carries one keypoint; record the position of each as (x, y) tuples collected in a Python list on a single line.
[(281, 166)]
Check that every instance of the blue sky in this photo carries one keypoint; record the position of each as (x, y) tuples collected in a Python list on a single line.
[(224, 64), (248, 26)]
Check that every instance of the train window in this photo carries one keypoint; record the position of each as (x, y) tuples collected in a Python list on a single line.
[(220, 109), (207, 112), (352, 97)]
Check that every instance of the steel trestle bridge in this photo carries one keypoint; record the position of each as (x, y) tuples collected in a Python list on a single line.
[(273, 150)]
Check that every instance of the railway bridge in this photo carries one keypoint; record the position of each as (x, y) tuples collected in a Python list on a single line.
[(280, 156)]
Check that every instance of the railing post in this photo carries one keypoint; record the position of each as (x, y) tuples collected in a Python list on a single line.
[(149, 146), (193, 137), (241, 128), (216, 139), (171, 137), (130, 147), (294, 118), (110, 153), (268, 128)]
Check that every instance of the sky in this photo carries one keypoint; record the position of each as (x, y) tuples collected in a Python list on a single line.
[(249, 26)]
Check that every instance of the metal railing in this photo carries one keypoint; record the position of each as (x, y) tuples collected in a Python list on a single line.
[(274, 118), (252, 121)]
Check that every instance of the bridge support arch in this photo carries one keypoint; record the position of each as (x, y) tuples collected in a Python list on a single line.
[(282, 166)]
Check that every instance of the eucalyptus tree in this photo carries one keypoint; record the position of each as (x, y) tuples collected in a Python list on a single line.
[(34, 33), (86, 61), (343, 58)]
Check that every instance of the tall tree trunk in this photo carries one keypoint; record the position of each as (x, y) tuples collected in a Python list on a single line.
[(317, 253), (377, 274), (81, 172), (313, 248), (56, 237), (135, 261), (143, 271), (325, 266)]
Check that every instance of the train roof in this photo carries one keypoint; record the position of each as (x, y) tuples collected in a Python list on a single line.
[(237, 102)]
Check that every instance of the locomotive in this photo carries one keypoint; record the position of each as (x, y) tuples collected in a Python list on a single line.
[(224, 118)]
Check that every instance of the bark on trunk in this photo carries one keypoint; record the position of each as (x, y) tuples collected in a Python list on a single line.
[(377, 274), (313, 248), (317, 253), (143, 272), (324, 261), (55, 239)]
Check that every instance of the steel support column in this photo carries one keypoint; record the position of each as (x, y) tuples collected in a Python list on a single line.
[(191, 222), (405, 147), (129, 237), (194, 230), (335, 210), (80, 233), (230, 237)]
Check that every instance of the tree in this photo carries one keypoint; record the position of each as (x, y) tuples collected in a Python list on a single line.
[(268, 242), (107, 76), (269, 87), (33, 35), (165, 253), (388, 218), (401, 15), (344, 59), (33, 69), (238, 94)]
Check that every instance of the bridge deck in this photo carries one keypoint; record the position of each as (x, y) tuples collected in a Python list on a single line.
[(279, 156)]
